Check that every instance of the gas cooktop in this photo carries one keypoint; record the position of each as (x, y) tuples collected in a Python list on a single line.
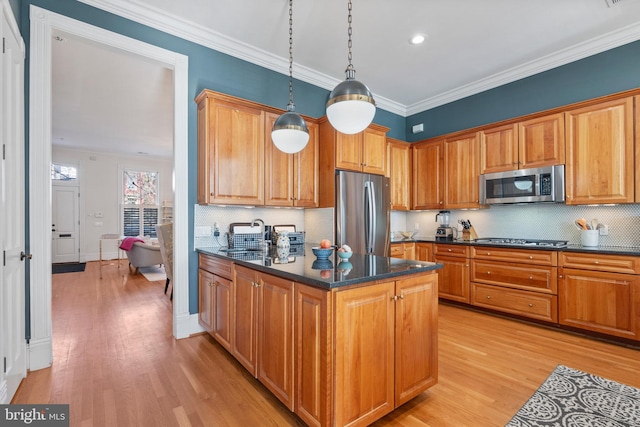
[(523, 242)]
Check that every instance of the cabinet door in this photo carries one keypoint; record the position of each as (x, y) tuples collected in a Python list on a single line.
[(305, 172), (499, 149), (462, 172), (399, 174), (204, 153), (416, 336), (374, 151), (409, 251), (453, 278), (313, 391), (541, 141), (245, 313), (349, 151), (279, 179), (275, 337), (428, 175), (205, 300), (600, 163), (222, 320), (364, 354), (397, 250), (236, 134), (424, 251), (601, 302)]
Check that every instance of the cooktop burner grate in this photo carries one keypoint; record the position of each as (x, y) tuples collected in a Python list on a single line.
[(523, 242)]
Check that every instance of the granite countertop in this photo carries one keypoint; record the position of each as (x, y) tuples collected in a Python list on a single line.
[(605, 250), (328, 274)]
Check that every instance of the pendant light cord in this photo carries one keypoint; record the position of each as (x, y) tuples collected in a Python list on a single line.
[(350, 71), (290, 106)]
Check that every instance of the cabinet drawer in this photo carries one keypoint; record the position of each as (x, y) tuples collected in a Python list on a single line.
[(397, 251), (523, 303), (600, 262), (451, 250), (520, 276), (215, 265), (516, 255)]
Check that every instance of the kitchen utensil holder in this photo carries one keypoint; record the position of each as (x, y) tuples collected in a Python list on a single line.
[(589, 237)]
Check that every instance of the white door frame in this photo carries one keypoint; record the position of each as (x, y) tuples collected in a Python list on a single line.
[(43, 22)]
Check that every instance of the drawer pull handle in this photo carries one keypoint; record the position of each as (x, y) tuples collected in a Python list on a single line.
[(449, 250), (530, 304), (488, 296), (488, 272), (530, 277), (488, 253), (530, 256), (596, 262)]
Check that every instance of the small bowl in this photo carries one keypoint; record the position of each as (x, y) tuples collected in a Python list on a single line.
[(322, 253), (408, 234), (344, 255), (322, 264)]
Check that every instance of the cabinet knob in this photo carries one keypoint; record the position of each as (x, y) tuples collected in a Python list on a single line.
[(530, 277), (530, 256), (449, 249), (596, 262), (488, 272), (530, 305), (488, 296), (488, 253), (441, 202), (560, 276)]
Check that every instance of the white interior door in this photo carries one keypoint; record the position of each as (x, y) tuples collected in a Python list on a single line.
[(13, 347), (65, 246)]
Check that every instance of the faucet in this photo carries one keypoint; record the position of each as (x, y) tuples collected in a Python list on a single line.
[(253, 223)]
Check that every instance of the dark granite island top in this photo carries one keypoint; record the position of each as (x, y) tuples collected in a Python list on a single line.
[(327, 274)]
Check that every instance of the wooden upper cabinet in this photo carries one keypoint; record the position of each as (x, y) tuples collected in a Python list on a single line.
[(462, 171), (374, 151), (349, 151), (499, 149), (399, 174), (600, 153), (291, 179), (637, 165), (541, 141), (428, 175), (230, 151)]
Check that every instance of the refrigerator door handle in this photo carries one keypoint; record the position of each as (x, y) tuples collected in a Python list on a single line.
[(370, 217)]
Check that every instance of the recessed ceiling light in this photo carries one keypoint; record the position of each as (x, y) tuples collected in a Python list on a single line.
[(418, 39)]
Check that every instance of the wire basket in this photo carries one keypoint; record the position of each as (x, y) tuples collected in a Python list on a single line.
[(245, 240)]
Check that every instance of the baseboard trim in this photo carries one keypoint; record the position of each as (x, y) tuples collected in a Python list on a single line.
[(187, 325), (40, 354)]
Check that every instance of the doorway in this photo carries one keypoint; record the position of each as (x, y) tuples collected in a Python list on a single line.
[(43, 23), (65, 224)]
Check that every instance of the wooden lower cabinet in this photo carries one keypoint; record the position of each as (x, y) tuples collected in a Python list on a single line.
[(453, 278), (522, 303), (608, 303), (405, 250), (215, 290), (385, 347), (245, 314), (205, 299), (424, 251)]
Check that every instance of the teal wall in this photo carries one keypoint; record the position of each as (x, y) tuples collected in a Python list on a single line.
[(207, 69), (609, 72)]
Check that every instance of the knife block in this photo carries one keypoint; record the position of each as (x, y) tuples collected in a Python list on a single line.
[(469, 234)]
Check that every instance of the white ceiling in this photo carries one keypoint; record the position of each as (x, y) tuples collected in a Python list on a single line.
[(109, 99)]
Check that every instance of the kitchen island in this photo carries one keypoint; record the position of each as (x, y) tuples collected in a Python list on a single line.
[(338, 343)]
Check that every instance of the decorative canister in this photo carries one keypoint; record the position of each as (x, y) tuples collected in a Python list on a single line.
[(283, 240)]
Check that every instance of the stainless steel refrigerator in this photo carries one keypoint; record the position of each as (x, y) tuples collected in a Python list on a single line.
[(362, 212)]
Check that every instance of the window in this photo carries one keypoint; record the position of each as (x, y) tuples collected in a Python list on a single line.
[(63, 173), (139, 203)]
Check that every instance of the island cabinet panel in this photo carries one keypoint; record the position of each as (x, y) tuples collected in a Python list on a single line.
[(364, 354), (275, 337), (205, 300), (314, 355), (427, 186), (608, 303), (600, 153), (416, 336), (245, 314)]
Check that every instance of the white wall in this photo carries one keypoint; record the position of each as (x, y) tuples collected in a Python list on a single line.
[(99, 179)]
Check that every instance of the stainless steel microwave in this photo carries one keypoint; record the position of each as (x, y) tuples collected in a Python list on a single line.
[(536, 185)]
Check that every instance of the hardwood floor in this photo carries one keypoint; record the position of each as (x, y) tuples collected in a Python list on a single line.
[(117, 364)]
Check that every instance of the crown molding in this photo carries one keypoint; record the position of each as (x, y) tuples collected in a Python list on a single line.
[(155, 18)]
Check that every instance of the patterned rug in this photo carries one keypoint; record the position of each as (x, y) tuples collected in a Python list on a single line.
[(569, 397)]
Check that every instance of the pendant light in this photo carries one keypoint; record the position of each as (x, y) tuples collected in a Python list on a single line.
[(290, 133), (351, 107)]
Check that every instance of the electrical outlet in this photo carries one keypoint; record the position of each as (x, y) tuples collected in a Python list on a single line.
[(216, 227), (604, 229), (416, 226)]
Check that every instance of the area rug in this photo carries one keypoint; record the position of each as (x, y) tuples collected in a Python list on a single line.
[(68, 267), (569, 397), (153, 274)]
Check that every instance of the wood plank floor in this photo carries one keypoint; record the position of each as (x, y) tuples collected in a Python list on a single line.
[(117, 364)]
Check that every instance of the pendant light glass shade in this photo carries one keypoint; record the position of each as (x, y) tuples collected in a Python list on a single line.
[(290, 133), (351, 107)]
